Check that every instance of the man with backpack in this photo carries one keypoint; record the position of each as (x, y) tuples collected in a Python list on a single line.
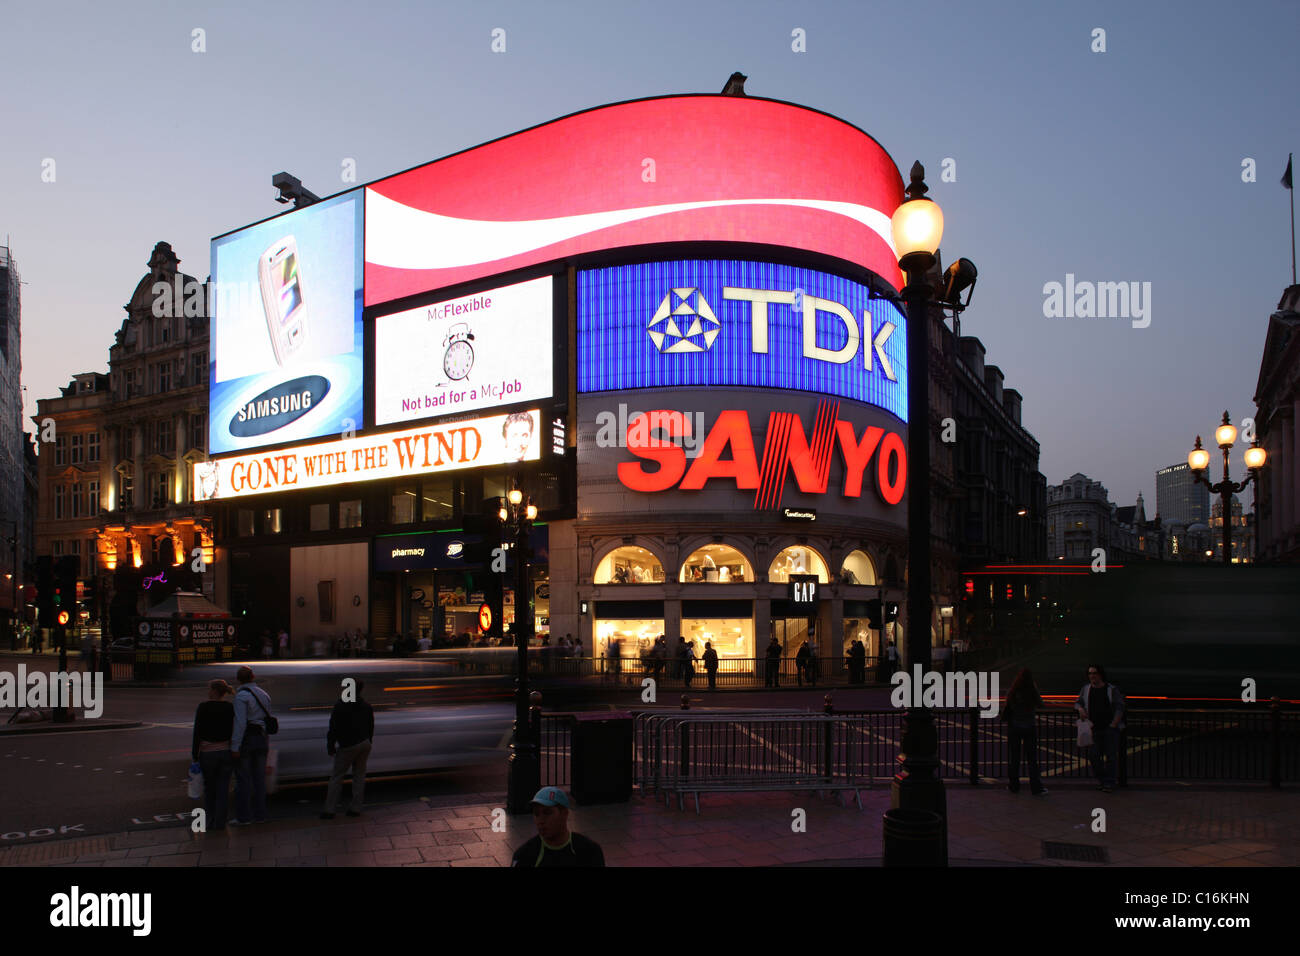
[(251, 741)]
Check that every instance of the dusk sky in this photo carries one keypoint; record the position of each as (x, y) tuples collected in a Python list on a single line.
[(1123, 165)]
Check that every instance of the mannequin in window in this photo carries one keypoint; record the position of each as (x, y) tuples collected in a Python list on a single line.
[(724, 575)]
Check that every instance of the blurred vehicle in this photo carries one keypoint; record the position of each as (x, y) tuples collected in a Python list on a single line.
[(406, 741)]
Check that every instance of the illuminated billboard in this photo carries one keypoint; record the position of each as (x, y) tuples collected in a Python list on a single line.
[(286, 360), (466, 354), (696, 323), (453, 446), (670, 169)]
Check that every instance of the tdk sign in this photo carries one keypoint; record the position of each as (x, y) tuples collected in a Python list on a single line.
[(730, 323)]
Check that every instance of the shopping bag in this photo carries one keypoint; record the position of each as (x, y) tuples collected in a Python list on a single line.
[(195, 783), (1085, 733), (272, 770)]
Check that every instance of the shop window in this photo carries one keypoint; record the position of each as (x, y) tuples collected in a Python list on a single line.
[(732, 638), (271, 521), (436, 500), (350, 513), (404, 501), (245, 521), (320, 516), (629, 565), (634, 637), (717, 564), (858, 569), (797, 560)]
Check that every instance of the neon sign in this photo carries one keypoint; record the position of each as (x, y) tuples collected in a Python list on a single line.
[(787, 447), (700, 323)]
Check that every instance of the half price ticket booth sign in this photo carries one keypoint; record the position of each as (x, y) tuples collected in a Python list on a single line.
[(450, 446)]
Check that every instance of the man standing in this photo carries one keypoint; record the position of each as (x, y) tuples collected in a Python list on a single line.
[(250, 743), (711, 664), (554, 844), (1101, 704), (773, 663), (350, 736), (284, 643)]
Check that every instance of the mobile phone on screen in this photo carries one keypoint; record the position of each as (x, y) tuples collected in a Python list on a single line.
[(280, 276)]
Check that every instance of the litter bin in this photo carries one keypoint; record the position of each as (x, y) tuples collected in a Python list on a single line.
[(602, 757), (913, 838)]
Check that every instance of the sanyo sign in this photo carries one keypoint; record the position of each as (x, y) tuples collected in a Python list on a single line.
[(698, 323)]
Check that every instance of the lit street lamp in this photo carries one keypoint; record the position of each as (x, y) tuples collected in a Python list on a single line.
[(917, 229), (1199, 461), (517, 515)]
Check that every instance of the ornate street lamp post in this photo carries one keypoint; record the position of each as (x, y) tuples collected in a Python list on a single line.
[(517, 515), (1199, 460), (917, 229)]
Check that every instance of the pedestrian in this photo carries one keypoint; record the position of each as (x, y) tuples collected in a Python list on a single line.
[(773, 663), (284, 643), (858, 663), (1102, 705), (615, 658), (813, 665), (266, 645), (801, 662), (1023, 701), (349, 739), (577, 655), (711, 664), (688, 662), (891, 660), (250, 744), (555, 844), (214, 722)]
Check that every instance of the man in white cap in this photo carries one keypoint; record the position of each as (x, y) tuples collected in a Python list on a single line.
[(554, 844)]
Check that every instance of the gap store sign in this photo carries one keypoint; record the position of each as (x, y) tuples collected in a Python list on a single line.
[(696, 323)]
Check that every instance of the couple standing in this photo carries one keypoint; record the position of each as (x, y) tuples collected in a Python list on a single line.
[(230, 738)]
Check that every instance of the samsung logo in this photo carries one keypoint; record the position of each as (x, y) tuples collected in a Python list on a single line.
[(278, 406)]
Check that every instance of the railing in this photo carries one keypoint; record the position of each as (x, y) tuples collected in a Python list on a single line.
[(733, 672), (1259, 744)]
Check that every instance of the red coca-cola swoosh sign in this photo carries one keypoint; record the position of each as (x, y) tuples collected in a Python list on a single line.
[(672, 169)]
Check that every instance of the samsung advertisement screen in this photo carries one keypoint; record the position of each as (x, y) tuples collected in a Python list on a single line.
[(286, 328), (474, 352)]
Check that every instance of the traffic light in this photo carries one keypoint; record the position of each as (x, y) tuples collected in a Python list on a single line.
[(873, 613), (45, 589), (65, 582)]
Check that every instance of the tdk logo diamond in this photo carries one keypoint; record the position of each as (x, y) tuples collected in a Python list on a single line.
[(684, 308)]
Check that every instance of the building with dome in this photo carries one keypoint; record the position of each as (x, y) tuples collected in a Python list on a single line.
[(115, 480)]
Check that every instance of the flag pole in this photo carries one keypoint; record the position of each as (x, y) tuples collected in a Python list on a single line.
[(1291, 190)]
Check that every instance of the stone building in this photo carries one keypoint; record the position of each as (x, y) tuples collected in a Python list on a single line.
[(1277, 426), (115, 481)]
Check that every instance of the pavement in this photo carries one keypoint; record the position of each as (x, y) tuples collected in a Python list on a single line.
[(1149, 826)]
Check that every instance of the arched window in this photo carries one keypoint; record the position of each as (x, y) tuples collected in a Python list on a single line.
[(716, 564), (797, 559), (629, 565), (858, 569)]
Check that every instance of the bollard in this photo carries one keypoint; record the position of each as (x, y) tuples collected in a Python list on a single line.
[(913, 838)]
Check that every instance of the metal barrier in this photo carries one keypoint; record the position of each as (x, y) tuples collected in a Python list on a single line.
[(683, 752)]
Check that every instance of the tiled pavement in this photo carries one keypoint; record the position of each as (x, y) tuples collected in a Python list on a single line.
[(987, 826)]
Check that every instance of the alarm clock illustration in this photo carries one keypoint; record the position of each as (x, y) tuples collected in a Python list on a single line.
[(459, 357)]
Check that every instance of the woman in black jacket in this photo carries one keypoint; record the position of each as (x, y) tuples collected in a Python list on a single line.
[(214, 722), (1023, 700)]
